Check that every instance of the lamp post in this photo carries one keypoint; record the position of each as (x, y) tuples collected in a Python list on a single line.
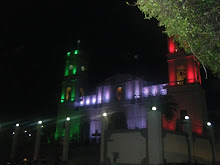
[(14, 141), (188, 131), (104, 127), (66, 141), (155, 150), (37, 142), (210, 133)]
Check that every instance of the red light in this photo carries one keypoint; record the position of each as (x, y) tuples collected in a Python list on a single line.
[(190, 70), (171, 45), (172, 73)]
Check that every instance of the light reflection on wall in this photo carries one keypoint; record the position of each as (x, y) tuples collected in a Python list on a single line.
[(106, 94), (99, 97), (137, 88), (129, 90)]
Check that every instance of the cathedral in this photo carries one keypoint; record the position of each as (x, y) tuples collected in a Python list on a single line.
[(121, 97)]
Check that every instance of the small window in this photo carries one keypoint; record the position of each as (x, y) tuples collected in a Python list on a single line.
[(68, 93), (181, 75)]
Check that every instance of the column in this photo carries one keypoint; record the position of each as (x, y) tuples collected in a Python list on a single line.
[(14, 141), (155, 150), (104, 127), (66, 141), (37, 141)]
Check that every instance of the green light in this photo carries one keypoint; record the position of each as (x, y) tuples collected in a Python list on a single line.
[(62, 96), (74, 70), (67, 69), (72, 99), (76, 51), (68, 54)]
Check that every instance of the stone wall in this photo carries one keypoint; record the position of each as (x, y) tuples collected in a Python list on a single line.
[(130, 146)]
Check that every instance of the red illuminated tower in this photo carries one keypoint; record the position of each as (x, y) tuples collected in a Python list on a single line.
[(185, 86)]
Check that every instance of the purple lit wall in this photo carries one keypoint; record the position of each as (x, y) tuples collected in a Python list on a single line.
[(137, 89), (129, 90), (99, 95), (106, 93)]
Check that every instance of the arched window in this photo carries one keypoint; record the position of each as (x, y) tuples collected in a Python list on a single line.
[(119, 93), (181, 75), (68, 93)]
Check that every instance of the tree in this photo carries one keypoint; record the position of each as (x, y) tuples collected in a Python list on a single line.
[(195, 25), (164, 103)]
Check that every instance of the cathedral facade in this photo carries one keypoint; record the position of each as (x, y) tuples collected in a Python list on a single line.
[(122, 98)]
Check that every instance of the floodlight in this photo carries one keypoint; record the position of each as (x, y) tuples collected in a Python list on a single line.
[(154, 108)]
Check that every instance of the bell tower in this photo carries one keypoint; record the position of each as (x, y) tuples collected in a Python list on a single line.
[(183, 68), (185, 86), (75, 76), (73, 89)]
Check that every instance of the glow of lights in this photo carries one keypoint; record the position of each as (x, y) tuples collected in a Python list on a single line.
[(104, 114), (25, 159), (17, 125), (13, 133), (87, 101), (171, 45), (93, 100), (186, 117), (82, 68), (40, 122), (81, 102), (62, 100), (68, 119), (68, 54), (76, 51), (29, 135), (42, 126), (154, 108), (25, 131), (209, 123)]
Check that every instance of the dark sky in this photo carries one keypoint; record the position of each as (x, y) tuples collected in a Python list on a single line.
[(36, 37)]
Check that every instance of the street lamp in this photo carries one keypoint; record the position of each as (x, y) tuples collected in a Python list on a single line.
[(104, 114), (208, 123), (154, 108), (68, 119), (17, 125), (186, 117), (40, 122)]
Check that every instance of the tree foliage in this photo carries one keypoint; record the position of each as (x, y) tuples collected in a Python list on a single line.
[(164, 103), (194, 23)]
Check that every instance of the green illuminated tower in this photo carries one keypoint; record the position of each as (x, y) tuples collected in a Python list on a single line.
[(73, 88)]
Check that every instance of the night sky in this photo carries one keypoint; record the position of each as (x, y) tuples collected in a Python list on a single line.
[(36, 37)]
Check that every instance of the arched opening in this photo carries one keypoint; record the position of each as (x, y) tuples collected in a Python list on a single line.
[(84, 132), (117, 121), (181, 75), (68, 93)]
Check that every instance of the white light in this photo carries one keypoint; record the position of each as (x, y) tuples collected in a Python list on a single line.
[(25, 131), (209, 123), (93, 101), (68, 119), (42, 126), (104, 114), (87, 101), (13, 133), (17, 125), (154, 108), (81, 102), (186, 117), (29, 134), (40, 122)]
